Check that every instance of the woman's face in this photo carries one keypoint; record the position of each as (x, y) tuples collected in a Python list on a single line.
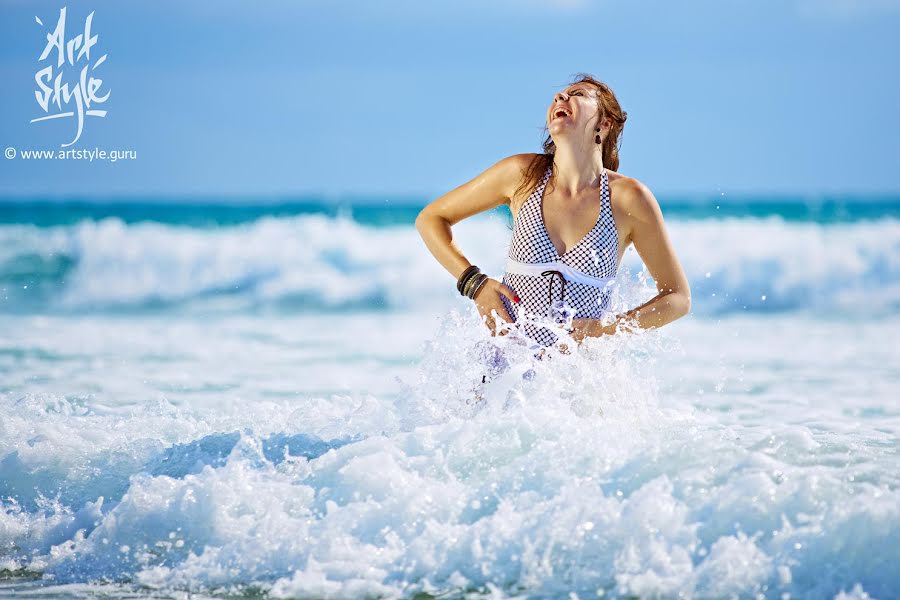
[(574, 108)]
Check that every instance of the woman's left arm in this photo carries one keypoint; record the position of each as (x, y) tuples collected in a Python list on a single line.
[(651, 240)]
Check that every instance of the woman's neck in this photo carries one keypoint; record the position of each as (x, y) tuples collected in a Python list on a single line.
[(577, 168)]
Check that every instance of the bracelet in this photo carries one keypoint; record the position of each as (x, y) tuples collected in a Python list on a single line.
[(470, 281), (464, 277), (478, 286), (470, 284)]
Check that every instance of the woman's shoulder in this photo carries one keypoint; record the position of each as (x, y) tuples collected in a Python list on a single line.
[(629, 191), (518, 164), (510, 170), (513, 170), (631, 200)]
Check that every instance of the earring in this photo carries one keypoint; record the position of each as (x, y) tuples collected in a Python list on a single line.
[(597, 139)]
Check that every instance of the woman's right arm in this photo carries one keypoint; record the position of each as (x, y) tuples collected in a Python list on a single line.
[(493, 187)]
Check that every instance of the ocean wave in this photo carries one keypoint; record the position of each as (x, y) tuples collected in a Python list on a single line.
[(321, 263)]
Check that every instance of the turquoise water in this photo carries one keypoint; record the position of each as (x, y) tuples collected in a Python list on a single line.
[(214, 212), (231, 399)]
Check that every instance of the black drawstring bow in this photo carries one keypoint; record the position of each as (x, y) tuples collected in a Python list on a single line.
[(562, 280)]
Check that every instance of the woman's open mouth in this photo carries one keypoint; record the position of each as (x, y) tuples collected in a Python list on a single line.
[(560, 113)]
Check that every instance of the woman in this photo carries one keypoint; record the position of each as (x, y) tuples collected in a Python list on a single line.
[(574, 217)]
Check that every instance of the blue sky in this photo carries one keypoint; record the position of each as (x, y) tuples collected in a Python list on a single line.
[(224, 98)]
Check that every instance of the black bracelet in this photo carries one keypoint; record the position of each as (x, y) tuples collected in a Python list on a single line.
[(464, 277), (465, 282), (468, 280)]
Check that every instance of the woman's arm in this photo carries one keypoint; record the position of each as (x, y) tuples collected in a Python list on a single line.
[(651, 240), (491, 188)]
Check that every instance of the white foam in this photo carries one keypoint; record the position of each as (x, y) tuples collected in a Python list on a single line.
[(593, 479)]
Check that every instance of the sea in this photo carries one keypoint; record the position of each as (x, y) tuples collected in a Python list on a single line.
[(287, 398)]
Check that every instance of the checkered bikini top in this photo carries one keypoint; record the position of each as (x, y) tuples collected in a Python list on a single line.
[(549, 284)]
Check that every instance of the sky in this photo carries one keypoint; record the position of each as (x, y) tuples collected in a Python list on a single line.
[(400, 98)]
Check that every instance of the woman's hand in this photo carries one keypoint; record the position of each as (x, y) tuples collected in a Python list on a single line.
[(582, 328), (488, 299)]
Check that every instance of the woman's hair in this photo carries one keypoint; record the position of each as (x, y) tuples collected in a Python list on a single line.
[(607, 106)]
